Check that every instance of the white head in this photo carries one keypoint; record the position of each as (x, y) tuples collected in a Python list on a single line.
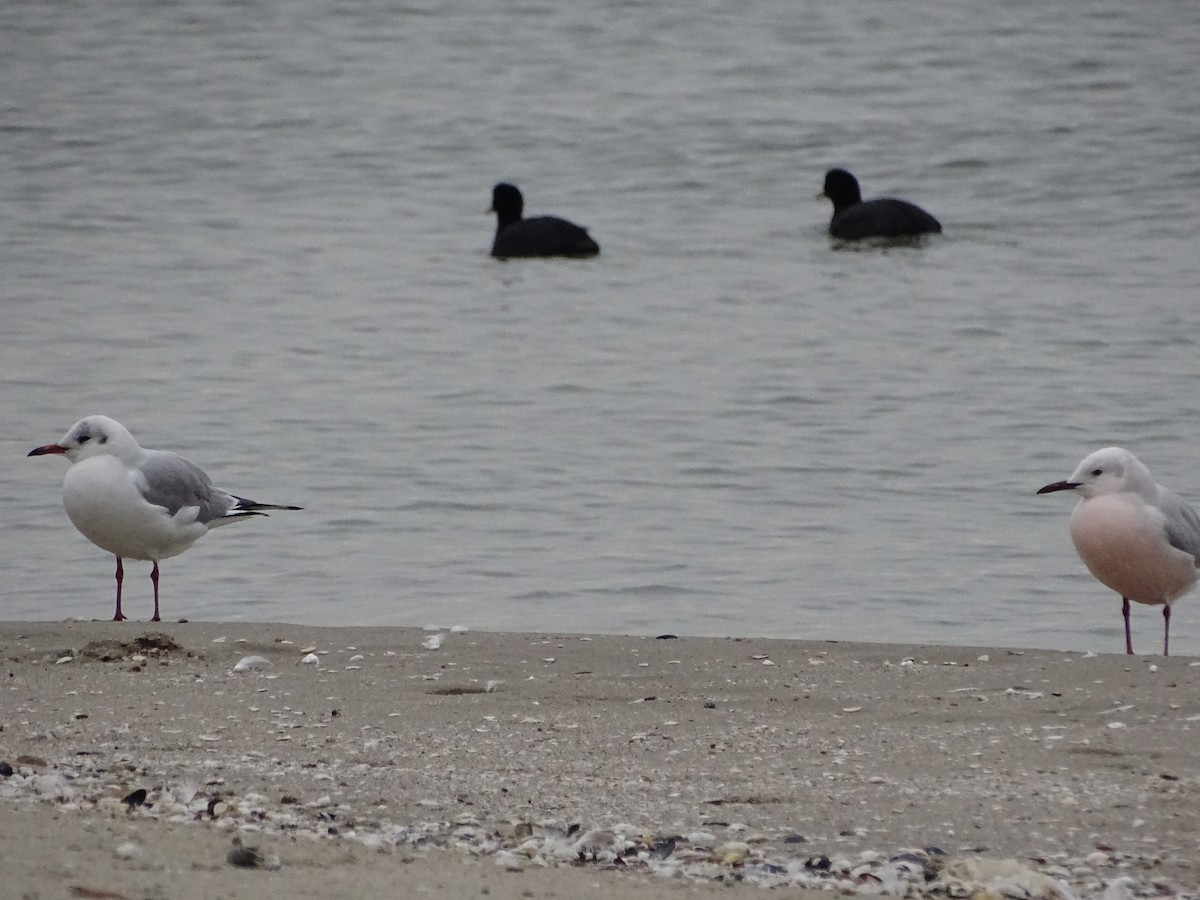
[(1108, 471), (94, 436)]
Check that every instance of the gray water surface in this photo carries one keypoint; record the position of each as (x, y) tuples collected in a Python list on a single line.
[(254, 234)]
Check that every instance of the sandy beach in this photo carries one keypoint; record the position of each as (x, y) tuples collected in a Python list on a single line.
[(400, 762)]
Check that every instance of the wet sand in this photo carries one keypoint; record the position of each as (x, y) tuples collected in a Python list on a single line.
[(517, 765)]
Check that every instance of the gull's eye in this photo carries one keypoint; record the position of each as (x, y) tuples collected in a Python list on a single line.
[(84, 438), (1096, 473)]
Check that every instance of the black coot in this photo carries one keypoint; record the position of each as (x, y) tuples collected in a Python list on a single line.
[(539, 236), (855, 218)]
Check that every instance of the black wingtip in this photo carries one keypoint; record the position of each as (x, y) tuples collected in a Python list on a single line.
[(246, 505)]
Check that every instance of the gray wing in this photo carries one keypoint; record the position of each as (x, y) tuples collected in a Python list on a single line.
[(1182, 524), (172, 482)]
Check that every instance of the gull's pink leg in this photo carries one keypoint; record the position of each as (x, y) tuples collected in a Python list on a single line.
[(154, 578), (120, 577), (1125, 613), (1166, 627)]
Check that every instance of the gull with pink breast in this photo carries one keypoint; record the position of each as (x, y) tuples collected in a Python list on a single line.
[(1133, 534)]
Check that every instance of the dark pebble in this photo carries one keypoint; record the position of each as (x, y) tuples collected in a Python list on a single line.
[(663, 849), (795, 839), (5, 770), (137, 798), (243, 857)]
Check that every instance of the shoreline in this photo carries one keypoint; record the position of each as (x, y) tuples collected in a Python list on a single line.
[(714, 761)]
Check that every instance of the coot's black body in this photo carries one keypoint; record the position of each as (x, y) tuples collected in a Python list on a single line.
[(855, 218), (538, 236)]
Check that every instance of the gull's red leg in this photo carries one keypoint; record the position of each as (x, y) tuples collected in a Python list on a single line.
[(154, 578), (120, 577), (1128, 637)]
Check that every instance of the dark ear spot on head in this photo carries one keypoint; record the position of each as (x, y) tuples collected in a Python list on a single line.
[(104, 438)]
